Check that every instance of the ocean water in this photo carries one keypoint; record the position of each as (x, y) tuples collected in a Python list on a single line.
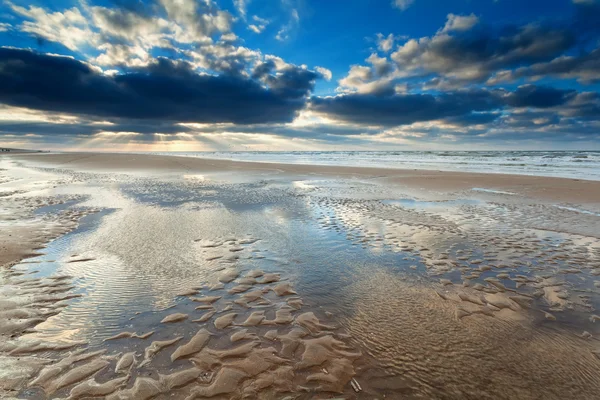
[(565, 164)]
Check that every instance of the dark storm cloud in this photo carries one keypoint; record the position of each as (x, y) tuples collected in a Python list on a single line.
[(538, 97), (474, 118), (404, 109), (585, 67), (468, 107), (164, 90), (89, 128)]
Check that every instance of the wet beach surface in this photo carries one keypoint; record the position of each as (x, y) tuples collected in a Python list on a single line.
[(264, 285)]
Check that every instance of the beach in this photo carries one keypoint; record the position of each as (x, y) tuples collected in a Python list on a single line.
[(139, 276)]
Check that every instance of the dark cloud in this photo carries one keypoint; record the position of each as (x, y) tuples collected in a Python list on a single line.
[(538, 97), (474, 55), (474, 118), (461, 107), (584, 67), (404, 109), (164, 90), (89, 128)]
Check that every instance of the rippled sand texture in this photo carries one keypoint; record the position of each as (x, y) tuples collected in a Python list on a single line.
[(261, 286), (254, 343)]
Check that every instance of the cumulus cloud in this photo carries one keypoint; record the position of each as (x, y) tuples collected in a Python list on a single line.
[(473, 106), (385, 43), (325, 73), (460, 22), (177, 69), (467, 52), (584, 67), (164, 89), (403, 109), (70, 27), (474, 55)]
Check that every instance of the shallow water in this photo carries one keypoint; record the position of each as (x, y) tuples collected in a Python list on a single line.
[(566, 164), (463, 298)]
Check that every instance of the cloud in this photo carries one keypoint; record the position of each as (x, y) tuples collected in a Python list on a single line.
[(260, 24), (176, 70), (474, 55), (473, 106), (325, 73), (459, 23), (584, 67), (385, 43), (284, 33), (538, 96), (70, 27), (466, 52), (403, 109), (402, 4), (164, 90), (242, 7)]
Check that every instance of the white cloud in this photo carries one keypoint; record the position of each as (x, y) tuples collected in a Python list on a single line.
[(384, 43), (122, 54), (256, 28), (460, 22), (260, 25), (284, 33), (229, 37), (4, 27), (402, 4), (70, 27), (242, 7), (325, 72)]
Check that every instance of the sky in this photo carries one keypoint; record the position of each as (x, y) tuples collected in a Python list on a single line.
[(245, 75)]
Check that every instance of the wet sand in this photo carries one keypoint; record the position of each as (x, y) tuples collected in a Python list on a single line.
[(554, 189), (138, 277)]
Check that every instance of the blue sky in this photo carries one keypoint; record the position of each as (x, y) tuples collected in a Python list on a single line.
[(300, 74)]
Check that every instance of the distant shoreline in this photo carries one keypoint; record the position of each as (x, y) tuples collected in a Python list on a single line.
[(5, 150), (555, 189)]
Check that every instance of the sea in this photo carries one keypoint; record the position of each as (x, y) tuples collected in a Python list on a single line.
[(565, 164)]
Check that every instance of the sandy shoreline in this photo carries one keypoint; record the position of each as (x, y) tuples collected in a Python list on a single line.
[(545, 188), (172, 276)]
